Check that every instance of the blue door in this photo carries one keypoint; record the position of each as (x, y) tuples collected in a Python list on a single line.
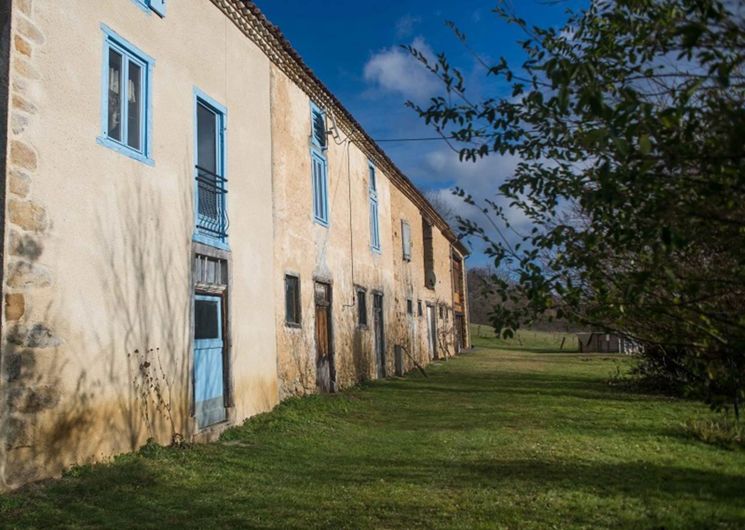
[(208, 361)]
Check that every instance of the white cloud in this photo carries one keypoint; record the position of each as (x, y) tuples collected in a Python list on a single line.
[(405, 25), (395, 70), (481, 179)]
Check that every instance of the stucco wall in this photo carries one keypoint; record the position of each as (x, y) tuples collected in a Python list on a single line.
[(337, 254), (341, 254), (99, 248)]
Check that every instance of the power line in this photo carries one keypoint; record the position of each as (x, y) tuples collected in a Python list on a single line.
[(413, 139)]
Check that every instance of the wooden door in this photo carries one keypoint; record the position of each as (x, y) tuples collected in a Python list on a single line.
[(325, 375), (379, 334), (209, 389)]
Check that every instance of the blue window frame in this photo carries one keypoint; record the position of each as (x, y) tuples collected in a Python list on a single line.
[(320, 189), (319, 173), (126, 110), (210, 171), (374, 221), (159, 6)]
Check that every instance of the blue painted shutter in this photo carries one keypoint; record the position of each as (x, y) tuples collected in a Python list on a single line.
[(320, 194), (319, 128), (374, 226), (159, 6)]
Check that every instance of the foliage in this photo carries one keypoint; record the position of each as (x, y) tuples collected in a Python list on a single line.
[(491, 439), (720, 431), (153, 392), (629, 122)]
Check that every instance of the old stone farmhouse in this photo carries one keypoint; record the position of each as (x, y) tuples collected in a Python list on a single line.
[(194, 228)]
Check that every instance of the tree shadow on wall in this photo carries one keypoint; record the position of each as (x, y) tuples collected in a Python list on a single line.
[(143, 267)]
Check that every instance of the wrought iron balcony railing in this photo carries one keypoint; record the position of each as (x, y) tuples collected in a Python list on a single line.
[(211, 201)]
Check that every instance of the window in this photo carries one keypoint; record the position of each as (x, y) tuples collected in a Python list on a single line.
[(125, 103), (318, 127), (292, 300), (206, 319), (209, 171), (319, 172), (428, 255), (361, 308), (419, 308), (406, 240), (409, 306), (441, 311), (159, 6), (374, 222), (320, 189)]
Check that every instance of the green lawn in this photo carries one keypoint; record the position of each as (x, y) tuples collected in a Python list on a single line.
[(495, 438)]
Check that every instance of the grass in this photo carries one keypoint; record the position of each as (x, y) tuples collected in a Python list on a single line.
[(495, 438)]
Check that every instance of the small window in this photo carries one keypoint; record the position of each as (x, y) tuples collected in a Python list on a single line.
[(409, 306), (318, 127), (292, 300), (206, 319), (441, 311), (361, 308), (374, 217), (419, 307), (126, 110), (406, 240)]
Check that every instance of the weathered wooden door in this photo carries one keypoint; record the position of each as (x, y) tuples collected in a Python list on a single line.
[(325, 375), (432, 331), (209, 375), (379, 334)]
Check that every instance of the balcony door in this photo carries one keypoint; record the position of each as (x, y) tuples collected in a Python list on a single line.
[(211, 185)]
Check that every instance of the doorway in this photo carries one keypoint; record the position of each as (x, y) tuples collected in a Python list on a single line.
[(209, 348), (325, 372), (379, 334), (432, 331)]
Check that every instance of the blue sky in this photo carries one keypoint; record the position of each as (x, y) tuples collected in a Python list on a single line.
[(354, 48)]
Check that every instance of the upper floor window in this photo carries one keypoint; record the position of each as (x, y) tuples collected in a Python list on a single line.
[(211, 184), (318, 127), (374, 217), (406, 240), (319, 172), (126, 113), (159, 6), (428, 255)]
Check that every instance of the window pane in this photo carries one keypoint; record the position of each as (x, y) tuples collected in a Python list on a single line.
[(206, 138), (292, 300), (319, 128), (206, 319), (134, 104), (373, 183), (115, 96)]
